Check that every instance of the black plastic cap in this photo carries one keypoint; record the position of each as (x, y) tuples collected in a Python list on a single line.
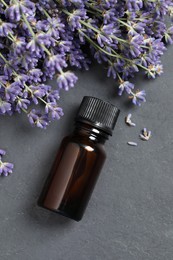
[(98, 113)]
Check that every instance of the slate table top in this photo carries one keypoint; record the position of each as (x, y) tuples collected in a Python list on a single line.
[(130, 214)]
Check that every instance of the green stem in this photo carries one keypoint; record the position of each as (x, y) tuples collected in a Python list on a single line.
[(97, 46), (41, 99), (145, 47), (3, 2), (93, 12), (33, 34), (45, 49), (28, 25), (132, 93), (94, 8), (126, 24), (4, 59), (100, 32), (97, 31), (90, 26), (119, 76), (82, 22), (118, 39), (2, 84), (24, 110), (11, 36), (141, 66), (11, 39), (140, 19), (46, 13), (65, 11), (31, 30)]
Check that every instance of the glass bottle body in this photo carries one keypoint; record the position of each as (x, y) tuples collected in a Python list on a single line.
[(75, 171)]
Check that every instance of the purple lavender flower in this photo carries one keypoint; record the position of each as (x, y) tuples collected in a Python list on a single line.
[(26, 61), (66, 80), (138, 97), (42, 25), (36, 118), (2, 152), (55, 62), (154, 70), (37, 92), (77, 58), (21, 103), (75, 17), (11, 90), (18, 45), (169, 35), (6, 28), (1, 7), (47, 4), (39, 40), (6, 168), (34, 75), (45, 39), (109, 15), (103, 39), (55, 27), (4, 106), (134, 5), (64, 46), (112, 71), (135, 45), (125, 85), (20, 79), (53, 96), (53, 110), (15, 9), (34, 47)]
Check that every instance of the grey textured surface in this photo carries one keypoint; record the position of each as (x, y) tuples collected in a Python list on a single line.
[(130, 215)]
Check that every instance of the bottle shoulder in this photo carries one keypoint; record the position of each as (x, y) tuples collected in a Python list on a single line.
[(84, 142)]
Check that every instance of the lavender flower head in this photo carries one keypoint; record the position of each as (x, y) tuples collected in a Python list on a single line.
[(5, 167), (45, 39), (39, 41)]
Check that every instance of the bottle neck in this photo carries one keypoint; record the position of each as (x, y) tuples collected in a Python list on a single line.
[(93, 133)]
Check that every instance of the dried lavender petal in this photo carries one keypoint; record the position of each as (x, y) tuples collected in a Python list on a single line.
[(145, 135), (128, 120), (132, 143)]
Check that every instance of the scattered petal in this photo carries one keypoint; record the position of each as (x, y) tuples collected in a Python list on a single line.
[(132, 143), (128, 120), (2, 152), (145, 135)]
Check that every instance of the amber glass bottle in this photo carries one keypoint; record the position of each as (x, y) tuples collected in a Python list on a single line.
[(79, 160)]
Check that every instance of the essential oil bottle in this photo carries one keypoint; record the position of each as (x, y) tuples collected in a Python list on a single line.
[(79, 160)]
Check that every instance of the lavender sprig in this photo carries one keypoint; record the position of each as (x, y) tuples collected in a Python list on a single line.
[(40, 41), (120, 33), (126, 35)]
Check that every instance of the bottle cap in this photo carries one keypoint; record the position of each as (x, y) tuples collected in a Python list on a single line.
[(99, 113)]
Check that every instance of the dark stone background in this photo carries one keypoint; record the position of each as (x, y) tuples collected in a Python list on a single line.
[(130, 215)]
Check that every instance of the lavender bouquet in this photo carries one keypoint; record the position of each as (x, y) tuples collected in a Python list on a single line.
[(46, 39)]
